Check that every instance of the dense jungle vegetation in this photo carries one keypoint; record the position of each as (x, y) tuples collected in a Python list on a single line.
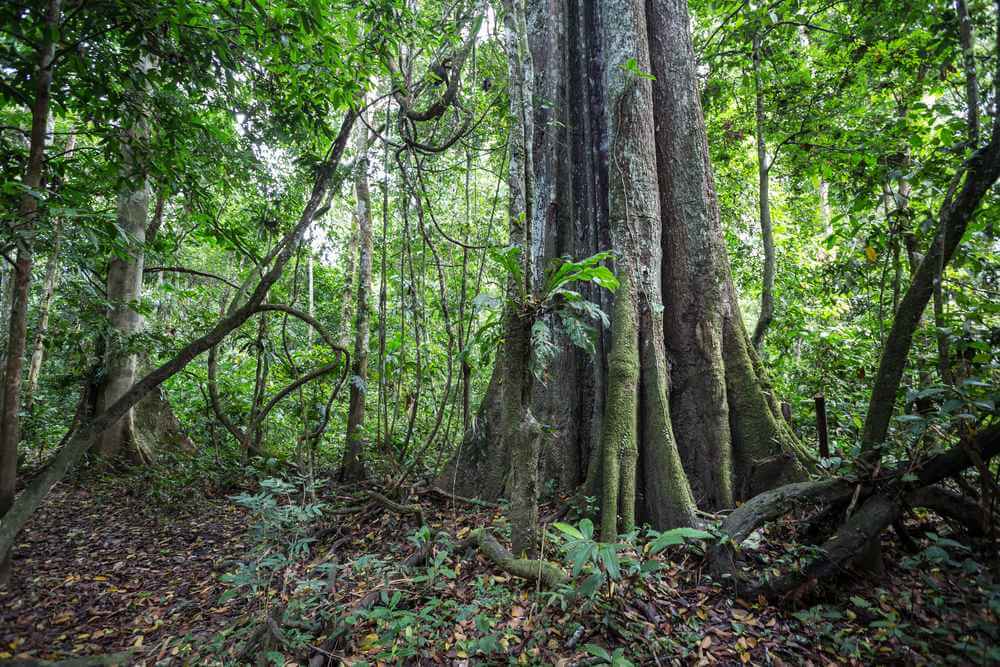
[(584, 332)]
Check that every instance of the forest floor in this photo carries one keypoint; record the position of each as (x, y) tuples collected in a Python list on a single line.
[(105, 571)]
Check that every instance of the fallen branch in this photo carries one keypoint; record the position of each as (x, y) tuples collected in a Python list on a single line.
[(766, 507), (462, 499), (845, 546)]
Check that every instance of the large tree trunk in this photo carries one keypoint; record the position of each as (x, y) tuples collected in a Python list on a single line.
[(17, 330), (570, 183), (636, 417), (678, 405), (743, 444), (353, 467)]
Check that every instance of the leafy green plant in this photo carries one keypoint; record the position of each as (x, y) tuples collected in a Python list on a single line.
[(280, 532), (600, 561), (572, 311), (615, 659), (675, 536)]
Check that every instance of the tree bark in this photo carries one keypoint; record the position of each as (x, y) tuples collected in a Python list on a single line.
[(733, 440), (634, 211), (347, 296)]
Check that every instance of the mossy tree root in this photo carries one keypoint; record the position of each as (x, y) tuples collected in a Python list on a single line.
[(533, 570)]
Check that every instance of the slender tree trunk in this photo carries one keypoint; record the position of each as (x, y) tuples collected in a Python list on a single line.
[(17, 329), (353, 467), (764, 204), (48, 291), (518, 425), (124, 287), (124, 290), (966, 39), (348, 295)]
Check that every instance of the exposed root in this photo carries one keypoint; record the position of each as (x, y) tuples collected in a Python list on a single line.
[(392, 505), (542, 571), (462, 499)]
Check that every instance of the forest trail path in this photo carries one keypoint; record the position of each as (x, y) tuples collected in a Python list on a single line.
[(102, 574)]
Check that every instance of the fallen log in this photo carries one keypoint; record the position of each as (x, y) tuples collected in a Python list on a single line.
[(881, 501), (953, 506), (769, 506)]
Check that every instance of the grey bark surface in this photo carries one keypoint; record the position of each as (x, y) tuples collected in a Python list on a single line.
[(124, 288)]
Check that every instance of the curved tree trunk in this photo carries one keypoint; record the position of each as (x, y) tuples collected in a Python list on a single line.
[(83, 438)]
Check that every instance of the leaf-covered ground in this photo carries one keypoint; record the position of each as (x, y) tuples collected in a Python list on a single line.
[(98, 573), (103, 574)]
